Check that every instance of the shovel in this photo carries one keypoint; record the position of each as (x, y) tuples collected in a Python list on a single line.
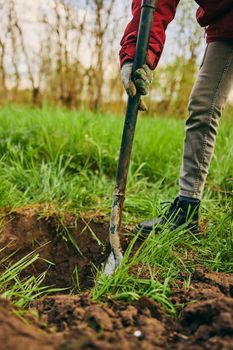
[(116, 255)]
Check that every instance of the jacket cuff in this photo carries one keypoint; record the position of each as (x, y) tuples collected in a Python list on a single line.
[(152, 59), (128, 54)]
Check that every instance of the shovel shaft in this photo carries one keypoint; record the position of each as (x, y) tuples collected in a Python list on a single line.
[(148, 7)]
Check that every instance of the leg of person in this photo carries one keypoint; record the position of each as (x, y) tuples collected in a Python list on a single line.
[(207, 100)]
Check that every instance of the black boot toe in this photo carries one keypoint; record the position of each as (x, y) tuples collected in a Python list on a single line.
[(181, 213)]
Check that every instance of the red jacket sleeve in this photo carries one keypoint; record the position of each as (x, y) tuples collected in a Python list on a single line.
[(163, 15), (209, 10)]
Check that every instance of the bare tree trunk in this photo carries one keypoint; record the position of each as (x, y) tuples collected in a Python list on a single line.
[(2, 66), (13, 38), (103, 12), (59, 51), (35, 89)]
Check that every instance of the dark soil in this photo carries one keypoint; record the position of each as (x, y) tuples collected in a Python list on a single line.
[(19, 334), (27, 229), (69, 322)]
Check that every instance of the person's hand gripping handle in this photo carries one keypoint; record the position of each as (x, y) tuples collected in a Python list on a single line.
[(137, 81)]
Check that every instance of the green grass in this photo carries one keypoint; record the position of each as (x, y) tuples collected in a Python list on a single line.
[(68, 159), (53, 156)]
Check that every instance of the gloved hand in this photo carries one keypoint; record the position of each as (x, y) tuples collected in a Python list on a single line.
[(142, 79)]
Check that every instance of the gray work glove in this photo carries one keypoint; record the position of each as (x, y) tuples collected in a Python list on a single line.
[(142, 79)]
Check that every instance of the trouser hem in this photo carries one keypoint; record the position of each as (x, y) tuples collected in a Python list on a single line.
[(190, 194)]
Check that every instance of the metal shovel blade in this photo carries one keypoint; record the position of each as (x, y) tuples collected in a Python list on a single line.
[(116, 255), (112, 264)]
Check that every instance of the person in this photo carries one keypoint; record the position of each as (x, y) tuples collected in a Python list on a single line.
[(207, 100)]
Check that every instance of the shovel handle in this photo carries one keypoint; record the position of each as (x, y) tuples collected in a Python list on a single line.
[(148, 7), (147, 11)]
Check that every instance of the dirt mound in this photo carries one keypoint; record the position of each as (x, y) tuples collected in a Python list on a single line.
[(89, 325), (209, 324), (141, 325), (19, 334), (69, 322)]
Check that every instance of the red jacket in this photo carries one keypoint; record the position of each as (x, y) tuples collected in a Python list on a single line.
[(216, 15)]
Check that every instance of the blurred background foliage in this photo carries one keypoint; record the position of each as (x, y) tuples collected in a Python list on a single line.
[(65, 52)]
